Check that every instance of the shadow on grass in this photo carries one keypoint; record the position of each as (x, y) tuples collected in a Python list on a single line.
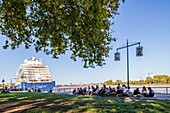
[(49, 103)]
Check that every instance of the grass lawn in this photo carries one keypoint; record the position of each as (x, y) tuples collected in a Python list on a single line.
[(56, 103)]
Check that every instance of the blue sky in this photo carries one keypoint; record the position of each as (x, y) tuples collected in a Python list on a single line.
[(145, 21)]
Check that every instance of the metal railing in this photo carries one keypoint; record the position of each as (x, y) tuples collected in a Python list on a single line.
[(163, 90)]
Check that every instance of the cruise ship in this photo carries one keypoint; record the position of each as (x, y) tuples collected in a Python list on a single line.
[(33, 74)]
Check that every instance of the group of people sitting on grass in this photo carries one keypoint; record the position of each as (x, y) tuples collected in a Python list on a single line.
[(104, 91), (30, 89), (109, 91), (4, 91), (144, 92)]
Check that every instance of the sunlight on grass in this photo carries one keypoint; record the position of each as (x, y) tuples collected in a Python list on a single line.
[(87, 109), (83, 108), (77, 97), (42, 99), (113, 110), (110, 101), (143, 104), (65, 103), (4, 99), (151, 100), (22, 98), (88, 98), (51, 104), (59, 100), (155, 105)]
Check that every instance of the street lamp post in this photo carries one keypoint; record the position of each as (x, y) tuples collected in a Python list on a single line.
[(3, 82), (128, 65), (138, 53)]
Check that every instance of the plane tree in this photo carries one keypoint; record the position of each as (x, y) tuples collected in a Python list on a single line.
[(56, 26), (149, 80)]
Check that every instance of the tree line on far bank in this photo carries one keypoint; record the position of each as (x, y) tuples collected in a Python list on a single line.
[(156, 79)]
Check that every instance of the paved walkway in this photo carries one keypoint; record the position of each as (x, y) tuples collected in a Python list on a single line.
[(162, 96), (157, 97)]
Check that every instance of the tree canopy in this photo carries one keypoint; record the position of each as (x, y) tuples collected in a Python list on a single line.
[(157, 79), (57, 26), (149, 80)]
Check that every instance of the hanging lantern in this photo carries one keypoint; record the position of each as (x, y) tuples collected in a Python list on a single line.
[(139, 51), (3, 80), (117, 56)]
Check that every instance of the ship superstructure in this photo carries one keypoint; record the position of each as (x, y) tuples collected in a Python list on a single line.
[(34, 74)]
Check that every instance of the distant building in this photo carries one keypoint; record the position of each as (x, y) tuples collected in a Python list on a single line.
[(33, 74)]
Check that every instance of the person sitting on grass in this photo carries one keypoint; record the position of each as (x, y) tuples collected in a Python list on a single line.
[(50, 91), (119, 90), (113, 92), (77, 91), (84, 91), (96, 90), (102, 91), (38, 90), (107, 92), (74, 91), (137, 92), (118, 87), (30, 89), (144, 91), (93, 88), (124, 92), (88, 91), (151, 92), (80, 91), (123, 89)]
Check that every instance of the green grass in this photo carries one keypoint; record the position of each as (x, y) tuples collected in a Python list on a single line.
[(55, 103)]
